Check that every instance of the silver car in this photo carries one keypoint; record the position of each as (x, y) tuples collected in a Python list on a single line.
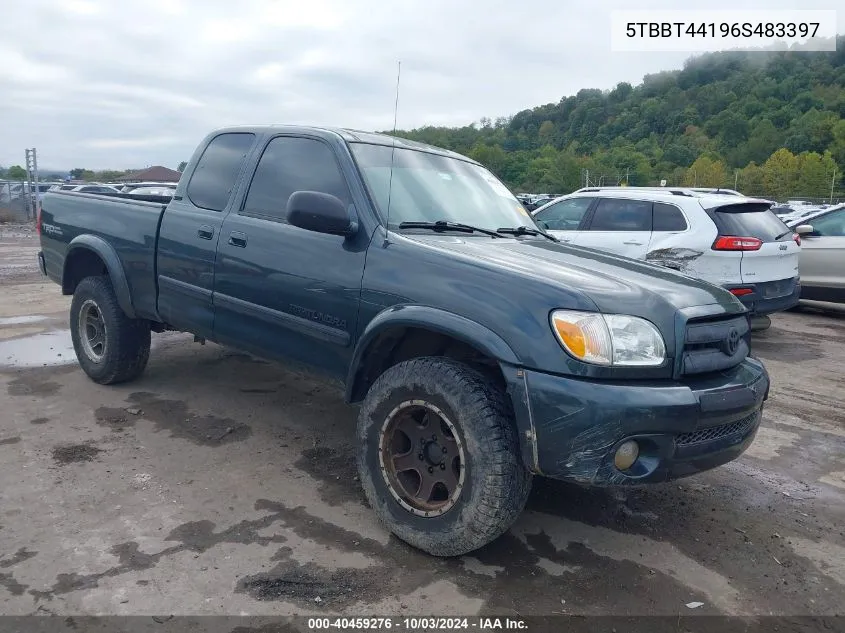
[(822, 263)]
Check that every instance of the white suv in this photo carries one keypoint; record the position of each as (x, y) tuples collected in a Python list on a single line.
[(729, 240)]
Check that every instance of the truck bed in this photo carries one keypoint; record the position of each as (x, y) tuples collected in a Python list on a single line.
[(127, 226)]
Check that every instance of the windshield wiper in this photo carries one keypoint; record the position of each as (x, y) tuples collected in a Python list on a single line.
[(443, 225), (524, 230), (784, 234)]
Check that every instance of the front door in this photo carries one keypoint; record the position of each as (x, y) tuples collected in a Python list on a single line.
[(823, 258), (281, 291), (563, 218)]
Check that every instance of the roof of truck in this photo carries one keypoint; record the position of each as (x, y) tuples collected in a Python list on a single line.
[(350, 136)]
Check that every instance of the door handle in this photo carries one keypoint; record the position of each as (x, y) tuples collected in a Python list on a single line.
[(205, 232), (633, 243), (236, 238)]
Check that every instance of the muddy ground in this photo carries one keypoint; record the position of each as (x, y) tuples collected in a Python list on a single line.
[(222, 484)]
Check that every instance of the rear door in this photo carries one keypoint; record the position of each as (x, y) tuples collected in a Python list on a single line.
[(618, 225), (563, 218), (769, 252), (823, 257), (190, 228)]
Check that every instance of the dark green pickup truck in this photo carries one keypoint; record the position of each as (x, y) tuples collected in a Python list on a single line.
[(482, 350)]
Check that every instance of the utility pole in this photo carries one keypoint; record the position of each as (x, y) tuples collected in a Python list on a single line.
[(32, 184), (832, 183), (736, 178)]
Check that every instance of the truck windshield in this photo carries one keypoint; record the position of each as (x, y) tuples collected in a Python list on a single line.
[(430, 187)]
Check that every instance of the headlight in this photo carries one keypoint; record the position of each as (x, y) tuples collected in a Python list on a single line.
[(609, 339)]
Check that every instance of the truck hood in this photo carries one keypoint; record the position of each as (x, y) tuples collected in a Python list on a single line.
[(613, 283)]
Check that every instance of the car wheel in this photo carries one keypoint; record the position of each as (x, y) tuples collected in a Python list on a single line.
[(110, 346), (439, 456)]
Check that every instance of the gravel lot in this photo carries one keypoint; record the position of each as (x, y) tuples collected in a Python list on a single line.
[(222, 484)]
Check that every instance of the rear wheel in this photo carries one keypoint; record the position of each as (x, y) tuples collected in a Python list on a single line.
[(440, 461), (110, 346)]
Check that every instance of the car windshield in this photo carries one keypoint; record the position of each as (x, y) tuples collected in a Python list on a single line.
[(429, 188)]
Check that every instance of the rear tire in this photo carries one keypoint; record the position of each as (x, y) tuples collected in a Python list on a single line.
[(452, 409), (110, 347)]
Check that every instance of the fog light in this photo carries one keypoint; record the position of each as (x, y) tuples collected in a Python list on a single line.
[(626, 455)]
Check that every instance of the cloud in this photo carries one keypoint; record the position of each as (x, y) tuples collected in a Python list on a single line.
[(104, 84)]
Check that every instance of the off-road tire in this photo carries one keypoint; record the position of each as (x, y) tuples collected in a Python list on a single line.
[(496, 483), (127, 347)]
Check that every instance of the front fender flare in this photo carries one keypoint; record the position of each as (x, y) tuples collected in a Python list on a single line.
[(428, 318), (117, 275)]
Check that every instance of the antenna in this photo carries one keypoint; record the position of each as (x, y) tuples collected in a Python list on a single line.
[(392, 154)]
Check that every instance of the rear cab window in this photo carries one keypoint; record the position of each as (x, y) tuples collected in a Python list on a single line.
[(749, 219), (217, 170)]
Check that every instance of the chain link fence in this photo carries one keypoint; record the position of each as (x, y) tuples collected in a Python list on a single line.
[(17, 202)]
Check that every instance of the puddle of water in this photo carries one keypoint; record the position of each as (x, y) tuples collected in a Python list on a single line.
[(49, 348), (21, 320)]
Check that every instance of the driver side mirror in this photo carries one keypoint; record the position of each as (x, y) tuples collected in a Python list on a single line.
[(805, 230), (320, 212)]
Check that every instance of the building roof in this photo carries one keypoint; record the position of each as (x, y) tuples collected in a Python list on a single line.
[(156, 173)]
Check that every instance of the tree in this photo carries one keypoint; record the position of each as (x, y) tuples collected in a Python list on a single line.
[(16, 172), (547, 129), (814, 174), (706, 171), (780, 174), (736, 108), (182, 166), (750, 180)]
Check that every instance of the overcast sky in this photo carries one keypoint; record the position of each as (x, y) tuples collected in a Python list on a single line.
[(126, 83)]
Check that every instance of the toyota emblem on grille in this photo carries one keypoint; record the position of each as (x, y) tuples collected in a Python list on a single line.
[(731, 343)]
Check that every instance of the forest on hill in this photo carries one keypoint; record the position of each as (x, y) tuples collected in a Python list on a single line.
[(771, 123)]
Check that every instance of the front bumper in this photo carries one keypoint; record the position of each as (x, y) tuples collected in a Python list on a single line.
[(571, 427), (771, 296)]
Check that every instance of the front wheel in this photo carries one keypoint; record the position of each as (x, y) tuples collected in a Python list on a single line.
[(110, 346), (439, 459)]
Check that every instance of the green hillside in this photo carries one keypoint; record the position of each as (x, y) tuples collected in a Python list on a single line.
[(773, 123)]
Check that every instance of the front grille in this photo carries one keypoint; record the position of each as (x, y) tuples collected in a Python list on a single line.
[(716, 432), (708, 345)]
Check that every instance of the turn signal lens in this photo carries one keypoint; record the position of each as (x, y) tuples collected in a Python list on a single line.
[(584, 335), (609, 339)]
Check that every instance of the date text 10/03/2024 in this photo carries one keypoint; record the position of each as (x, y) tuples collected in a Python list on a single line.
[(417, 624)]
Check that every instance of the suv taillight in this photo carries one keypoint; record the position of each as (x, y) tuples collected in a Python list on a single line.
[(733, 243), (38, 220), (796, 238)]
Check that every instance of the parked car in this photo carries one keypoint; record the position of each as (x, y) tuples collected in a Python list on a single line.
[(483, 350), (822, 254), (93, 188), (152, 191), (129, 187), (717, 191), (731, 241)]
